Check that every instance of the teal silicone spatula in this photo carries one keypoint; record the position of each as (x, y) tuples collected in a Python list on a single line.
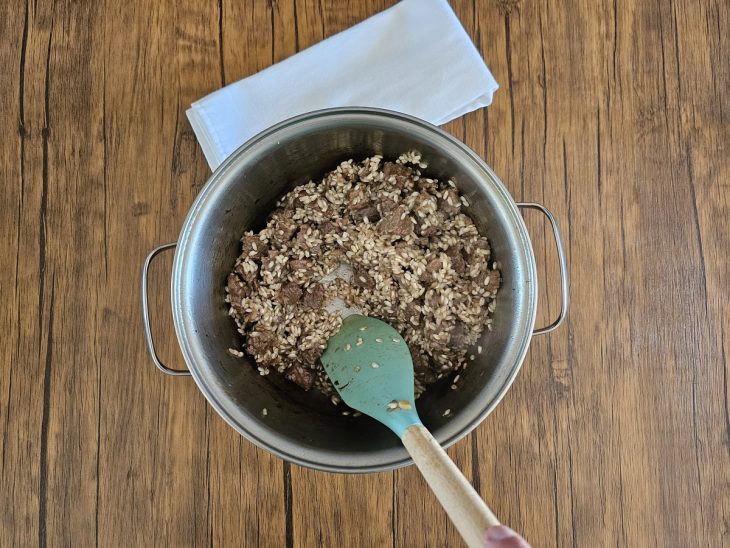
[(370, 366)]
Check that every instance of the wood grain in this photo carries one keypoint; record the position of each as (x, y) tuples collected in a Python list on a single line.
[(615, 114)]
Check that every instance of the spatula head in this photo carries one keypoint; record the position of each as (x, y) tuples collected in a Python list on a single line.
[(371, 367)]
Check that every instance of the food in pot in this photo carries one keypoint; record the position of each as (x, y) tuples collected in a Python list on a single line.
[(416, 259)]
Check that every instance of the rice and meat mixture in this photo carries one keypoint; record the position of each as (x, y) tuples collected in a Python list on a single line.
[(416, 258)]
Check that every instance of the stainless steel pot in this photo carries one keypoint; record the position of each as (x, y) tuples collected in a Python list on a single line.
[(302, 427)]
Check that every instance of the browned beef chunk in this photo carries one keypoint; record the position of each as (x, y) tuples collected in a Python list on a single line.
[(260, 341), (391, 168), (361, 278), (290, 293), (328, 227), (370, 211), (433, 299), (304, 240), (300, 264), (248, 276), (285, 226), (253, 247), (361, 206), (387, 205), (423, 204), (351, 177), (314, 296), (358, 198), (432, 266), (309, 356), (269, 262), (237, 290), (346, 243), (450, 203), (398, 172), (459, 335), (471, 254), (397, 222), (300, 375), (427, 185), (426, 230), (413, 313), (495, 280), (457, 259)]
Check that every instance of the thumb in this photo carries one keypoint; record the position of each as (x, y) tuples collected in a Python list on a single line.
[(501, 536)]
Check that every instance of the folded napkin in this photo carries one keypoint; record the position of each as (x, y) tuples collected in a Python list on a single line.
[(414, 57)]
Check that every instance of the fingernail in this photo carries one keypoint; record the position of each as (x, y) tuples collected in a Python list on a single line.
[(500, 532)]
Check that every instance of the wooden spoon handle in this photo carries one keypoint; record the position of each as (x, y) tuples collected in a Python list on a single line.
[(469, 513)]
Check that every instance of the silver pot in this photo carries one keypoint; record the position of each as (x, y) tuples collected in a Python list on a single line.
[(304, 427)]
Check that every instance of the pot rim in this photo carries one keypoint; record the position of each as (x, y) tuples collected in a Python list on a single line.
[(182, 324)]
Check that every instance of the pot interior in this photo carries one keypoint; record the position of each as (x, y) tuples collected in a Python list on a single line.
[(305, 427)]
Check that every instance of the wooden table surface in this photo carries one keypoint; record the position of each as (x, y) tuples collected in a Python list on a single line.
[(615, 114)]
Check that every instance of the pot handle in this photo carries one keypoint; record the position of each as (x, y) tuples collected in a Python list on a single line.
[(564, 277), (146, 314)]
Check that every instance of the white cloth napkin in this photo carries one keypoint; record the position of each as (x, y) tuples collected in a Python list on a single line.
[(414, 57)]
